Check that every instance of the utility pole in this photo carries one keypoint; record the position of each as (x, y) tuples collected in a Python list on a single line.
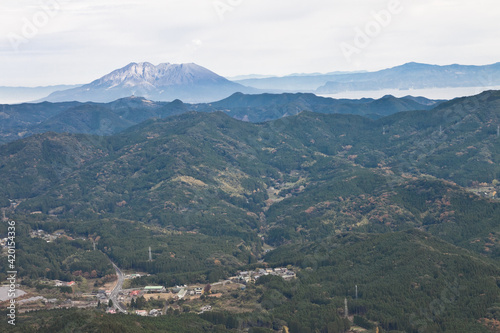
[(346, 310), (440, 130), (356, 292), (150, 256)]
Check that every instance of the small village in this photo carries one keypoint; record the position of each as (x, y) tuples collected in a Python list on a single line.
[(485, 190), (139, 301), (192, 292), (80, 294)]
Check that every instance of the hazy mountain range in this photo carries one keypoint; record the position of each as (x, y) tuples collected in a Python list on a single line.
[(416, 76), (195, 84), (12, 95), (264, 107), (21, 120), (407, 76)]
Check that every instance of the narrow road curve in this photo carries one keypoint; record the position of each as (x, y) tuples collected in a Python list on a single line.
[(116, 290)]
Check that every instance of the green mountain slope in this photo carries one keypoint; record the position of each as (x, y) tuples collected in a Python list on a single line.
[(17, 119), (409, 282), (265, 107), (23, 120), (209, 193), (217, 175), (77, 320), (31, 166)]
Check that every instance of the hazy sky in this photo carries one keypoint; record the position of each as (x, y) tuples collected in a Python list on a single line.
[(76, 41)]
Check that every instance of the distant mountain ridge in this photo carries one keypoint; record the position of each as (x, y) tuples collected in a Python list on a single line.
[(165, 82), (192, 83), (19, 121), (416, 76), (264, 107), (11, 95), (411, 75)]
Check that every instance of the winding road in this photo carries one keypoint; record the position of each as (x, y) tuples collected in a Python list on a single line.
[(116, 290)]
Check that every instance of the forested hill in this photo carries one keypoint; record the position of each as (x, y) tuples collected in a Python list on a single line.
[(22, 120), (213, 173), (408, 282), (265, 107), (208, 192)]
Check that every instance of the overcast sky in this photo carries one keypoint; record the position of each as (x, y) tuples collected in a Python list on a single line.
[(50, 42)]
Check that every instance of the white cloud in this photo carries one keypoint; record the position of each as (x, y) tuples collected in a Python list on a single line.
[(87, 39)]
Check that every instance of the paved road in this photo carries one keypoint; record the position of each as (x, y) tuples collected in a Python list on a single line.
[(116, 290)]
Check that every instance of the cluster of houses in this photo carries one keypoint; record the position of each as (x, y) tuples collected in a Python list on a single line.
[(183, 291), (45, 236), (490, 191), (180, 292), (205, 309), (59, 283), (152, 313), (252, 276), (36, 234)]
